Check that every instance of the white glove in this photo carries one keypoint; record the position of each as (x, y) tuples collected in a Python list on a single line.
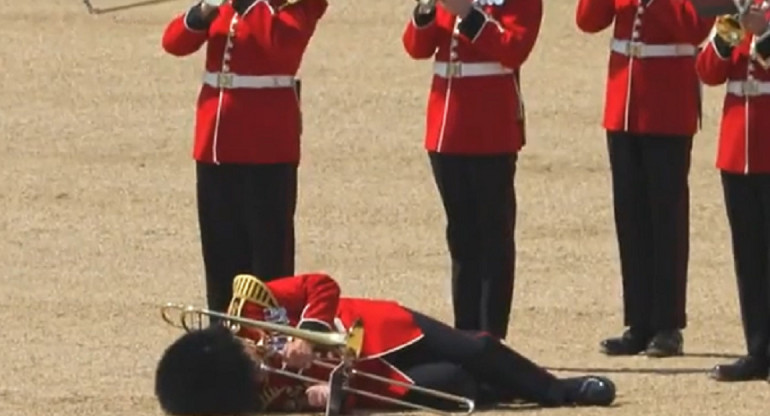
[(214, 3)]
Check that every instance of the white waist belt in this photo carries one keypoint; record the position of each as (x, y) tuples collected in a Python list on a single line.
[(225, 80), (469, 69), (643, 50), (749, 88)]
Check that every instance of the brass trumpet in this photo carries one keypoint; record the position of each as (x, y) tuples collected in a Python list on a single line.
[(346, 345), (729, 27)]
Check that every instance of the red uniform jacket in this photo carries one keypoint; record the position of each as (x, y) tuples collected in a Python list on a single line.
[(744, 137), (649, 94), (313, 301), (476, 114), (248, 125)]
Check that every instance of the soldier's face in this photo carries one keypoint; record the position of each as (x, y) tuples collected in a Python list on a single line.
[(251, 349)]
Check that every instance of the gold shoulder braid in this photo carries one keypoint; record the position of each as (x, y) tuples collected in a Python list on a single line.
[(247, 288)]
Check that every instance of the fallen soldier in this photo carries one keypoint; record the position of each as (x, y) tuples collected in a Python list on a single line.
[(214, 371)]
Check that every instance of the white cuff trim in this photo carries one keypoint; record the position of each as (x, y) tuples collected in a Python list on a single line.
[(265, 2), (324, 323), (483, 25), (716, 51), (416, 26), (184, 20)]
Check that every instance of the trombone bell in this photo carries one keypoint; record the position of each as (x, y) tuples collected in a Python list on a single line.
[(729, 28)]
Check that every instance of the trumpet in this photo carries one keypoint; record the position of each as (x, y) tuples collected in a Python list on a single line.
[(347, 347), (729, 27)]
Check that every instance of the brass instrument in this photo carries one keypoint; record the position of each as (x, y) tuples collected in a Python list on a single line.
[(346, 347), (729, 27)]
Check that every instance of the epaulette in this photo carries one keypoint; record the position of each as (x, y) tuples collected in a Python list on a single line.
[(247, 288)]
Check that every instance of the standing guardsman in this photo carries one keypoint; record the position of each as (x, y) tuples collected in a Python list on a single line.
[(247, 132), (737, 57), (475, 130), (651, 113)]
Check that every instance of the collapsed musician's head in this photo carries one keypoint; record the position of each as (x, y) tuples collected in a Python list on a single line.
[(208, 372)]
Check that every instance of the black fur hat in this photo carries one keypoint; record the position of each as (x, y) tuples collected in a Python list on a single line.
[(207, 372)]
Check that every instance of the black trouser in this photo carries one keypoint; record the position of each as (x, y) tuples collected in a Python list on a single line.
[(747, 199), (651, 199), (472, 364), (246, 219), (479, 200)]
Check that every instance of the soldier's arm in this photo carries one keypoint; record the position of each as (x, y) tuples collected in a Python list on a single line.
[(713, 61), (685, 22), (510, 40), (187, 32), (593, 16), (322, 296), (315, 296), (420, 37), (284, 30)]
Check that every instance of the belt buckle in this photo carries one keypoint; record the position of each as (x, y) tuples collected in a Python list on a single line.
[(750, 88), (634, 49), (453, 69), (224, 80)]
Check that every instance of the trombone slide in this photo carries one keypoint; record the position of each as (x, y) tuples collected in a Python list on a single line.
[(469, 404)]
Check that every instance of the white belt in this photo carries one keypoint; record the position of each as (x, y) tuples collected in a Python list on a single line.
[(469, 69), (643, 50), (748, 88), (225, 80)]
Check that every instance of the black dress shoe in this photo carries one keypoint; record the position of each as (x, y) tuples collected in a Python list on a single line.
[(666, 344), (630, 343), (590, 391), (744, 369)]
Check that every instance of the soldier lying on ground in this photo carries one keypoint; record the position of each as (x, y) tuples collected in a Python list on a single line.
[(214, 371)]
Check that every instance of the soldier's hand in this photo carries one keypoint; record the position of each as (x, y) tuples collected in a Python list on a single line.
[(317, 395), (298, 353), (459, 8), (754, 21)]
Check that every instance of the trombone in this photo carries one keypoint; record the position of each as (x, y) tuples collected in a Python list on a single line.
[(346, 345)]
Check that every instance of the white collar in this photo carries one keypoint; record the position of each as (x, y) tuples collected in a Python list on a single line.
[(489, 2)]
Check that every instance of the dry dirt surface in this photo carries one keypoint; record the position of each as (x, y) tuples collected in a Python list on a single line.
[(98, 225)]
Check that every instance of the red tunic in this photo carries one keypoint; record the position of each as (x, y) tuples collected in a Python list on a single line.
[(744, 136), (249, 125), (476, 114), (650, 94), (310, 300)]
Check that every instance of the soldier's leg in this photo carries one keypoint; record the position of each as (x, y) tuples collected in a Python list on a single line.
[(451, 174), (444, 377), (223, 240), (493, 182), (269, 215), (633, 229), (743, 201), (764, 190), (667, 164), (750, 233), (491, 362)]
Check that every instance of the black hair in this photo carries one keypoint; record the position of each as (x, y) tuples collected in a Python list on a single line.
[(207, 372)]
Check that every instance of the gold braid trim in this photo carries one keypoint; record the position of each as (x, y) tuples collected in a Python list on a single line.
[(247, 288)]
